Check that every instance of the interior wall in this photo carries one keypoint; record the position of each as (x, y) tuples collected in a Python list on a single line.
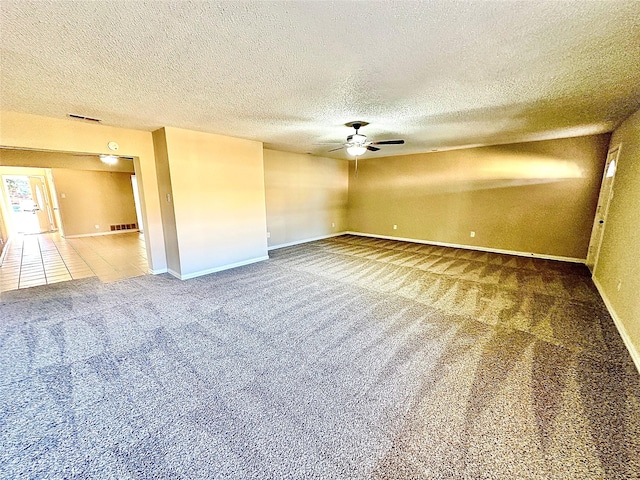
[(90, 198), (54, 201), (166, 205), (218, 199), (616, 271), (33, 158), (537, 197), (20, 130), (306, 196)]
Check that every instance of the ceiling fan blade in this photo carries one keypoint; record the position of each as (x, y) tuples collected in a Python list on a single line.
[(333, 150), (389, 142), (372, 149)]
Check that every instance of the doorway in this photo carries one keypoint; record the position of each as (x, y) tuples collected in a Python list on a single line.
[(39, 190), (604, 199), (95, 199), (29, 203)]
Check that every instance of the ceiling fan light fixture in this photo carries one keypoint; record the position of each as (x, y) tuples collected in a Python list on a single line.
[(356, 150), (358, 139), (109, 159)]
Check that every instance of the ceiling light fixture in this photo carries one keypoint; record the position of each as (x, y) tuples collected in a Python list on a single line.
[(356, 150), (109, 159)]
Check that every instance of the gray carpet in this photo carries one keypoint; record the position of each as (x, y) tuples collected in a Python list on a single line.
[(345, 358)]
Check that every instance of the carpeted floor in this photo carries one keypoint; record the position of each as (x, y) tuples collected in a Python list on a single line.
[(344, 358)]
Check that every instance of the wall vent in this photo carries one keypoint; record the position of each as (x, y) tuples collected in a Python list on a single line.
[(124, 226), (82, 117)]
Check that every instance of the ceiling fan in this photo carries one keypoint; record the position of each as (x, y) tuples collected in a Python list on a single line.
[(357, 143)]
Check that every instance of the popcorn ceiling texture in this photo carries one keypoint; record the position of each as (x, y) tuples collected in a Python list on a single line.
[(438, 74)]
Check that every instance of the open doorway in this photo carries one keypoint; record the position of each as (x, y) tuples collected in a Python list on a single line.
[(92, 201), (29, 203)]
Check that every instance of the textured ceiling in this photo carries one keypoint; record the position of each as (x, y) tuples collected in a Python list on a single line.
[(440, 74)]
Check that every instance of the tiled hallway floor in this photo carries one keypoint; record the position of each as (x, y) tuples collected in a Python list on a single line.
[(48, 258)]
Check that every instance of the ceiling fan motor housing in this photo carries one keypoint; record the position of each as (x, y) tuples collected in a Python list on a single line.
[(357, 139)]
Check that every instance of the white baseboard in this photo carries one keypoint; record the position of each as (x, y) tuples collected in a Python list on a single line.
[(635, 354), (158, 271), (306, 240), (217, 269), (473, 247), (115, 232), (174, 274)]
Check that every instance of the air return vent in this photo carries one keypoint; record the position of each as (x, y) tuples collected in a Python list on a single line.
[(82, 117), (124, 226)]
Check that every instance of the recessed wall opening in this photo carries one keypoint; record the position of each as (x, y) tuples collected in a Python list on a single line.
[(73, 215)]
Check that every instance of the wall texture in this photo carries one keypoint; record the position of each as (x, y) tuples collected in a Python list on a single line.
[(166, 205), (89, 198), (19, 130), (218, 200), (537, 197), (34, 158), (619, 260), (306, 196)]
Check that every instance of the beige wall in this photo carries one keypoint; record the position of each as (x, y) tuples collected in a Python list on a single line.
[(89, 198), (305, 195), (19, 130), (34, 158), (537, 197), (218, 199), (619, 259), (166, 206)]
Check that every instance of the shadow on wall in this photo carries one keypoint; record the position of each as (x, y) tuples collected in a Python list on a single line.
[(489, 171)]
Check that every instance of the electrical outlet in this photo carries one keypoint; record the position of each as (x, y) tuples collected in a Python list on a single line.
[(97, 226), (472, 234), (619, 286), (395, 227), (268, 234), (333, 225)]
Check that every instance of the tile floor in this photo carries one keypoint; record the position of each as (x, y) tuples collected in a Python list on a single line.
[(48, 258)]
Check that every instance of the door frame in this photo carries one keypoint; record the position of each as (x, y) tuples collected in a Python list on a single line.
[(45, 199), (602, 209)]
